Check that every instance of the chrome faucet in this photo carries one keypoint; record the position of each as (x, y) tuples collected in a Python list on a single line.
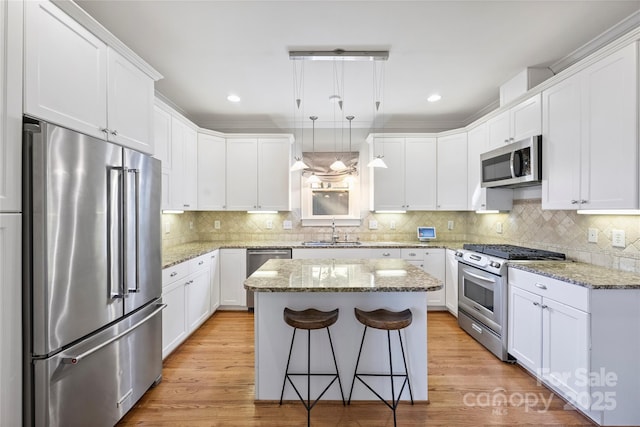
[(334, 234)]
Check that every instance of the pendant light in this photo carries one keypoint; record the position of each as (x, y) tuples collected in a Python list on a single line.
[(338, 165), (350, 179), (299, 164), (377, 162), (313, 179)]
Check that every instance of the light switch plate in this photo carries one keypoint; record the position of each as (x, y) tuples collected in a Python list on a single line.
[(167, 227), (216, 224), (269, 224), (499, 227), (618, 239), (592, 235), (287, 225), (392, 225), (449, 225), (373, 224)]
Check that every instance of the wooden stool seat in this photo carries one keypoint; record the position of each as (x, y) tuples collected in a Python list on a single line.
[(385, 319), (310, 318)]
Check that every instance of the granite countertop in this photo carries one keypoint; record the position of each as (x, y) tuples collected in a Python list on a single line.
[(581, 274), (335, 275), (177, 254)]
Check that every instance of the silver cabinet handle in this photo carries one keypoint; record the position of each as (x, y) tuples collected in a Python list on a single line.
[(201, 262), (186, 206), (536, 303), (174, 274), (74, 360), (584, 201), (544, 306), (114, 132), (476, 328), (105, 130), (386, 254), (412, 254), (541, 286), (574, 202)]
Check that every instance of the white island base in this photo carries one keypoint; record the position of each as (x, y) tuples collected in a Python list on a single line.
[(273, 338)]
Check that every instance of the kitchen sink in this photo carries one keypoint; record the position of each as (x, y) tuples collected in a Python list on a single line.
[(329, 243)]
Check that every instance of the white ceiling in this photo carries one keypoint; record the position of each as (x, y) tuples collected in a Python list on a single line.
[(463, 50)]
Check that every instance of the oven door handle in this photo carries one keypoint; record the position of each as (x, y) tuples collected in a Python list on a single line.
[(476, 276)]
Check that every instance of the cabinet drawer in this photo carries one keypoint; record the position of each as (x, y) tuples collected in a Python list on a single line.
[(566, 293), (385, 253), (200, 263), (412, 254), (173, 273)]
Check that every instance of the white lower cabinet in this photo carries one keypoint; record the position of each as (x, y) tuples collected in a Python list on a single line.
[(214, 276), (451, 281), (432, 262), (186, 290), (580, 342), (233, 273)]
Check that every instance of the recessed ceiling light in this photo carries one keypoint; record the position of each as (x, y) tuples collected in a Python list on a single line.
[(434, 98), (233, 98)]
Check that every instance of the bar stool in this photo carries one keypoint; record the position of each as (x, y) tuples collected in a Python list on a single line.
[(388, 321), (308, 320)]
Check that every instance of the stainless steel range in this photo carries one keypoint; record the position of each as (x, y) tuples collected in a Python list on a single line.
[(482, 290)]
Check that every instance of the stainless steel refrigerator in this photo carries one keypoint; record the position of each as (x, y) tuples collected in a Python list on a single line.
[(92, 277)]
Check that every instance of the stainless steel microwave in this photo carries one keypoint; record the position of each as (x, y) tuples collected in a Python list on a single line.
[(517, 164)]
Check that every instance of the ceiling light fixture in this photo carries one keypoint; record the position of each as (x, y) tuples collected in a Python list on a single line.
[(434, 98), (233, 98), (346, 55)]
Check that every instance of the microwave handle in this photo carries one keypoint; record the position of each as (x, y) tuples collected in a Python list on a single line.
[(511, 165)]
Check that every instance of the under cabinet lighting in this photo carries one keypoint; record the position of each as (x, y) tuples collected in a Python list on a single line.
[(172, 211), (434, 98), (233, 98), (391, 212), (609, 212), (488, 212), (262, 212)]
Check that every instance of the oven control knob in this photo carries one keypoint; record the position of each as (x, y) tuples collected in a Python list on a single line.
[(494, 264), (459, 254)]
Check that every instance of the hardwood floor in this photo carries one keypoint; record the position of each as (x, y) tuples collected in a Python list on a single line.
[(209, 381)]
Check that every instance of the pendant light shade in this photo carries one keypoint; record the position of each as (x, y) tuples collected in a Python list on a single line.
[(313, 179), (377, 162), (299, 165), (338, 165)]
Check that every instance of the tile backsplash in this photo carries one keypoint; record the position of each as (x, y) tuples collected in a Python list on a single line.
[(526, 224)]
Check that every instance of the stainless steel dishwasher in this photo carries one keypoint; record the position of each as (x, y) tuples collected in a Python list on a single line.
[(257, 257)]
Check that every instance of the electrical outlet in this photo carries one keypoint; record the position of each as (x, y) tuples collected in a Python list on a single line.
[(216, 224), (392, 225), (449, 225), (287, 225), (373, 224), (618, 239), (190, 225), (167, 227), (592, 236), (499, 227), (269, 224)]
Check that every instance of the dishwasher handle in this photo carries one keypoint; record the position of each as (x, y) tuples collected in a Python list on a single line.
[(269, 252)]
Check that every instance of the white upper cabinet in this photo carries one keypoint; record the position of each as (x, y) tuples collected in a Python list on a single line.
[(72, 78), (162, 143), (519, 122), (211, 172), (10, 107), (130, 104), (481, 199), (409, 181), (452, 173), (589, 140), (242, 174), (183, 182), (274, 159), (258, 176)]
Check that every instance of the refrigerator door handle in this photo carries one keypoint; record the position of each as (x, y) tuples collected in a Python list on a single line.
[(74, 360), (115, 224), (136, 177), (125, 232)]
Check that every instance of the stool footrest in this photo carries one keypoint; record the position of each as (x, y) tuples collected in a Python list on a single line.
[(307, 404), (394, 402)]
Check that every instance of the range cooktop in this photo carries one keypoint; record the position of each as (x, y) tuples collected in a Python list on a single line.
[(513, 252)]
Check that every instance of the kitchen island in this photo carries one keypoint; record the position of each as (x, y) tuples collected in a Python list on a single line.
[(326, 284)]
